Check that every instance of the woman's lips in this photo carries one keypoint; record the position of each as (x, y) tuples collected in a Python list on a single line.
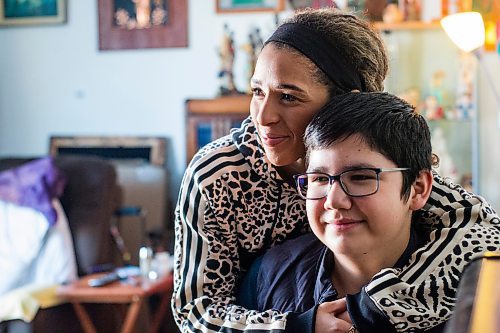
[(273, 140)]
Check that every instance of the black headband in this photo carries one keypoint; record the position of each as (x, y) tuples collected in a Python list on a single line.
[(314, 46)]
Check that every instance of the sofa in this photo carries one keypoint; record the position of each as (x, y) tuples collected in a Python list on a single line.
[(90, 197)]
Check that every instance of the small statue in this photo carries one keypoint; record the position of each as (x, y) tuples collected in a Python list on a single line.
[(301, 4), (226, 54), (252, 49), (412, 96), (392, 14), (356, 7), (464, 106), (431, 108), (446, 167), (436, 87), (412, 10), (434, 104)]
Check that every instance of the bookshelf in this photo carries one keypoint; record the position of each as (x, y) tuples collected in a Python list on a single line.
[(210, 119)]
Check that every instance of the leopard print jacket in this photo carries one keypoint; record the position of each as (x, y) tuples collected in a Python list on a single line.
[(233, 204)]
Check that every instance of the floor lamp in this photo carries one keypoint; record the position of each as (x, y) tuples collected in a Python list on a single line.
[(466, 31)]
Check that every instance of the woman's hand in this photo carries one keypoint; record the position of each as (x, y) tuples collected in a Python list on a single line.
[(332, 317)]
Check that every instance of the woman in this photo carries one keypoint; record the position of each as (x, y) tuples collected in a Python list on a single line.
[(237, 198)]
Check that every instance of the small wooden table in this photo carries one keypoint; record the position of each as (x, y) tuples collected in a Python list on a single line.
[(118, 293)]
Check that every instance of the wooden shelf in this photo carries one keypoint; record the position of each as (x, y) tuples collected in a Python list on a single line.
[(407, 25), (237, 104), (210, 119)]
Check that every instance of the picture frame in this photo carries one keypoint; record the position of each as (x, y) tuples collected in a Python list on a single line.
[(125, 24), (27, 12), (238, 6)]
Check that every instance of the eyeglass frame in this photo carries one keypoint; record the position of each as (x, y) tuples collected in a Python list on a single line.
[(337, 177)]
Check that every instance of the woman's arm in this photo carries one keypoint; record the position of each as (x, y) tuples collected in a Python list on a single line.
[(206, 266)]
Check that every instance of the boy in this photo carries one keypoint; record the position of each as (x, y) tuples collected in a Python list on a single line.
[(369, 159)]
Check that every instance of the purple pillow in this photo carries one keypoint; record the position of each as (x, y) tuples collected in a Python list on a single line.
[(34, 184)]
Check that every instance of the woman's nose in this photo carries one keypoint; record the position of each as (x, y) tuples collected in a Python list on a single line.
[(337, 198), (267, 112)]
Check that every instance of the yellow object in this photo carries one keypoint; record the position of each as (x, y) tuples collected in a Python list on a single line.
[(23, 303), (490, 35), (486, 308)]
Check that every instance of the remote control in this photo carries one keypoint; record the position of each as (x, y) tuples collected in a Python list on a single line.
[(103, 280)]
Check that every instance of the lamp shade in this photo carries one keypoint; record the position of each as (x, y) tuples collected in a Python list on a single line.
[(466, 30)]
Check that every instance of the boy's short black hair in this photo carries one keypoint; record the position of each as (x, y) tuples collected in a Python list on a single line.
[(387, 123)]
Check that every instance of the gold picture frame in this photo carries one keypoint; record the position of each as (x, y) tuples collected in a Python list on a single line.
[(28, 12), (238, 6)]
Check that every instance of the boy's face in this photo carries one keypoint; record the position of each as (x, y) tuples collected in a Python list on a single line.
[(375, 224)]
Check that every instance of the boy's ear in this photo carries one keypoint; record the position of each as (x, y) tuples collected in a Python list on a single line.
[(421, 190)]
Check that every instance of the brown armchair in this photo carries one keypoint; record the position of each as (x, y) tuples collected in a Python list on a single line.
[(90, 198)]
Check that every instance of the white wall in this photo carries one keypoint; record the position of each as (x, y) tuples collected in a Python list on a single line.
[(55, 81)]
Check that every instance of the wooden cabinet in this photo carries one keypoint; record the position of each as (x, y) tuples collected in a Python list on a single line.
[(210, 119)]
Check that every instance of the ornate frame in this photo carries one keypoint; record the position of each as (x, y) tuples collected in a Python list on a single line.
[(171, 34)]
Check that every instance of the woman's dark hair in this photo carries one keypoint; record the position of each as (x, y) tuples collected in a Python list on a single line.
[(353, 39)]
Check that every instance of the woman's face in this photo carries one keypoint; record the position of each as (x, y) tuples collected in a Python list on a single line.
[(285, 98), (378, 224)]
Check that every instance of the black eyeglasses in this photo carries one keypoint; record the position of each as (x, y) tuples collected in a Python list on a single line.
[(359, 182)]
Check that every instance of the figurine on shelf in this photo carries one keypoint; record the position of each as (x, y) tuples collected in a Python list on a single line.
[(412, 96), (374, 9), (226, 54), (357, 7), (252, 49), (464, 106), (301, 4), (436, 87), (392, 13), (434, 104), (411, 10), (446, 166), (431, 109)]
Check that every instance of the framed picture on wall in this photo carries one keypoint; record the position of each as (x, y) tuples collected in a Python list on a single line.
[(139, 24), (27, 12), (237, 6)]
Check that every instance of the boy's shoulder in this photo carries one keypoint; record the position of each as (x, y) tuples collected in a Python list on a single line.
[(293, 249), (292, 263)]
